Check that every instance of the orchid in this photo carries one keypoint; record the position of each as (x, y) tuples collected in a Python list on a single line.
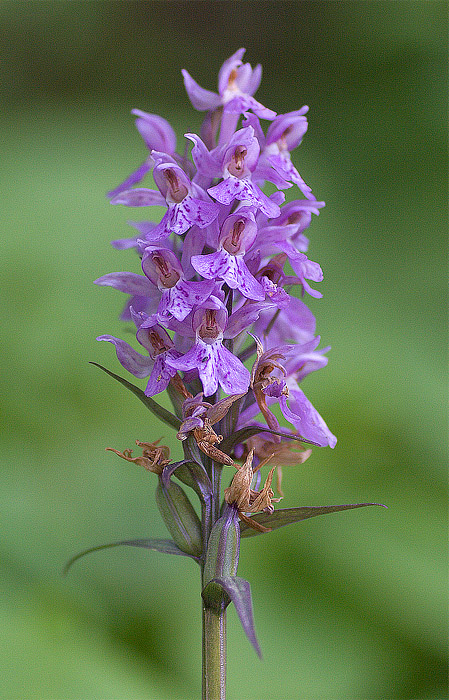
[(216, 309)]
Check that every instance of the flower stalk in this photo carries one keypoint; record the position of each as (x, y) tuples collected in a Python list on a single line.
[(214, 654), (225, 331)]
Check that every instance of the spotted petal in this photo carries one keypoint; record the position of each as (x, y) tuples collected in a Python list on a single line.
[(244, 190)]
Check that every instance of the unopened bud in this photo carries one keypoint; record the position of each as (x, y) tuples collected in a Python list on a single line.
[(223, 548), (180, 518)]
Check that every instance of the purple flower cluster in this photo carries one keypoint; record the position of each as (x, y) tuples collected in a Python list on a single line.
[(219, 268)]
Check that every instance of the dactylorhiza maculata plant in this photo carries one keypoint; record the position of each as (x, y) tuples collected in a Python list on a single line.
[(219, 313)]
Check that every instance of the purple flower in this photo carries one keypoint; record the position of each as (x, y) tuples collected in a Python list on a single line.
[(283, 135), (216, 365), (237, 82), (237, 235), (188, 204), (158, 136), (238, 160), (159, 345), (228, 269), (288, 228), (178, 297)]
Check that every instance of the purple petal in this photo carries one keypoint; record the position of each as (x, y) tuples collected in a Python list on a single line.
[(156, 131), (284, 166), (254, 80), (304, 268), (132, 179), (205, 358), (273, 174), (203, 159), (244, 103), (131, 360), (180, 299), (291, 126), (125, 243), (306, 419), (160, 375), (200, 98), (278, 295), (245, 316), (233, 376), (232, 188), (296, 323), (127, 282), (211, 266), (227, 67), (193, 245), (199, 212), (190, 212), (239, 277), (139, 197)]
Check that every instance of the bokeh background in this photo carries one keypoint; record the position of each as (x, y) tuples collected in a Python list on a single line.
[(349, 606)]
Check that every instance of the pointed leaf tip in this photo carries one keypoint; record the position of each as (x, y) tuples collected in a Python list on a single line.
[(150, 403), (164, 546), (285, 516)]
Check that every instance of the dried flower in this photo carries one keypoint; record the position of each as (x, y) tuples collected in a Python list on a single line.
[(247, 500), (154, 456)]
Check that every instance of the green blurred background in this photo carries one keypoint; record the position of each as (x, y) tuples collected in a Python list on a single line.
[(350, 606)]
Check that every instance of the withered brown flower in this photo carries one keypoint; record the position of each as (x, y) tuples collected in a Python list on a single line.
[(247, 499), (154, 456)]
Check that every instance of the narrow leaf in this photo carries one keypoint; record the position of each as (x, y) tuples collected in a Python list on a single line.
[(239, 592), (150, 403), (285, 516), (165, 546), (244, 433)]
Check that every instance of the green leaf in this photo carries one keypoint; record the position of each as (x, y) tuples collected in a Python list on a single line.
[(239, 592), (165, 546), (285, 516), (244, 433), (152, 405)]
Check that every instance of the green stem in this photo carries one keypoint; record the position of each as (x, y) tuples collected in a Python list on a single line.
[(214, 621), (214, 654), (215, 476)]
